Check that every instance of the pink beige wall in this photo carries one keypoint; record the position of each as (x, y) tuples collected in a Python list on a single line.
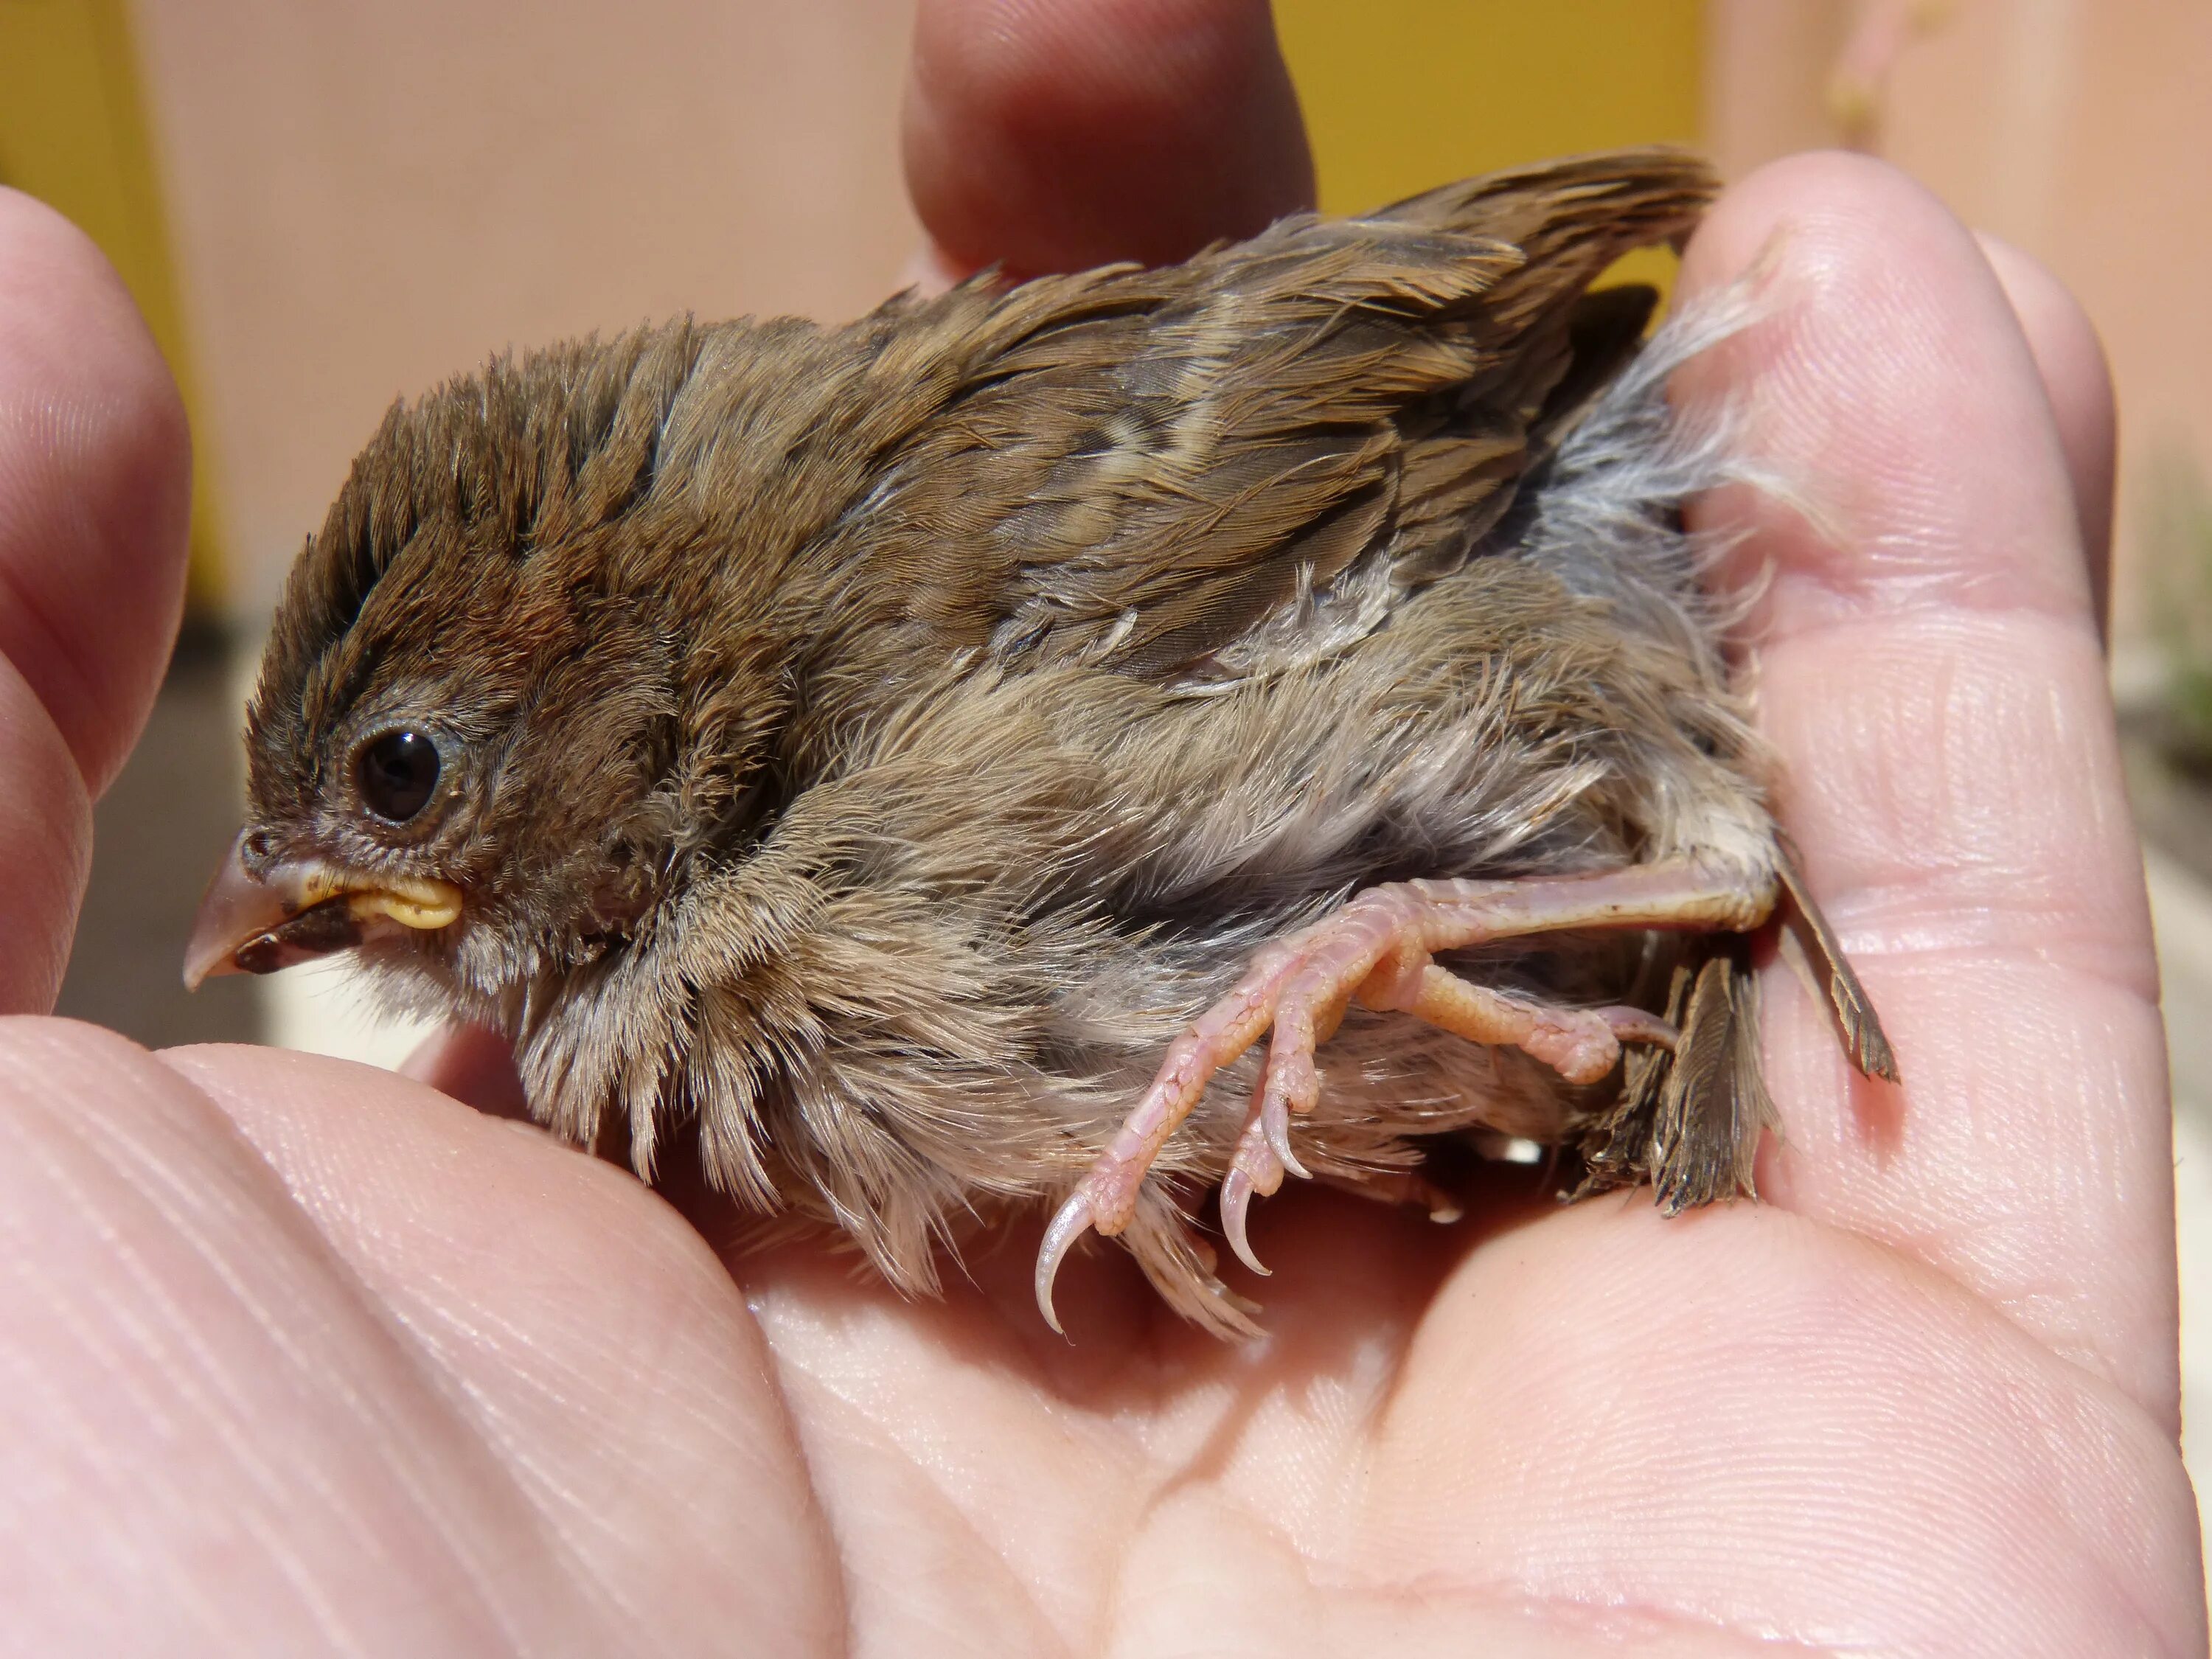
[(369, 195)]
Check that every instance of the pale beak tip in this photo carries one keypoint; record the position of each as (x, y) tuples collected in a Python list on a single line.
[(201, 966), (236, 908)]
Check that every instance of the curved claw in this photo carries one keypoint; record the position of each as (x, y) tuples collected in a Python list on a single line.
[(1069, 1223), (1275, 1124), (1236, 1191)]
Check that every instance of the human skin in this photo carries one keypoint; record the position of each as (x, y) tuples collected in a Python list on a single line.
[(303, 1357)]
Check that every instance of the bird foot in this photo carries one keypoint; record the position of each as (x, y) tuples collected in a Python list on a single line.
[(1581, 1044), (1377, 950)]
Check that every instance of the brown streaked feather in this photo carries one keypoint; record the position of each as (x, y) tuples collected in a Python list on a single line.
[(1140, 466), (1564, 211), (1689, 1122), (1864, 1040)]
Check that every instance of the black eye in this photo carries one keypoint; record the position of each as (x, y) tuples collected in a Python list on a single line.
[(399, 771)]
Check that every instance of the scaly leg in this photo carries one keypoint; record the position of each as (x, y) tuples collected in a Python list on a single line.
[(1377, 948)]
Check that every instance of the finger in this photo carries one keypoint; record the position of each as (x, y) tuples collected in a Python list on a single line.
[(1799, 1434), (472, 1065), (2078, 382), (93, 499), (45, 847), (94, 488), (285, 1333), (1929, 670), (192, 1366), (1052, 134)]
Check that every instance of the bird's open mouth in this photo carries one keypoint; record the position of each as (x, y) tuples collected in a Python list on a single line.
[(295, 912)]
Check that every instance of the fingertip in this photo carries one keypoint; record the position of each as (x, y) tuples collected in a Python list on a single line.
[(2078, 381), (45, 847), (474, 1066), (1892, 383), (94, 487), (1049, 135)]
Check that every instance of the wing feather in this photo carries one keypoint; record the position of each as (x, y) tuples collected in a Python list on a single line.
[(1139, 467)]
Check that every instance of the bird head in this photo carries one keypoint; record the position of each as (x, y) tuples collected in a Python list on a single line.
[(469, 756)]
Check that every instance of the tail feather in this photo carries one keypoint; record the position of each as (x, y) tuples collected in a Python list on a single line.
[(1689, 1122), (1864, 1040), (1579, 213)]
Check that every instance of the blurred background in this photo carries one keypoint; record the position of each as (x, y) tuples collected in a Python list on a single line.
[(325, 204)]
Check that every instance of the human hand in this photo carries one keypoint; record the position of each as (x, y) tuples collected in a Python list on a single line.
[(306, 1356)]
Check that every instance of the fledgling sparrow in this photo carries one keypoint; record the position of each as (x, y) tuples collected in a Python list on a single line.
[(921, 758)]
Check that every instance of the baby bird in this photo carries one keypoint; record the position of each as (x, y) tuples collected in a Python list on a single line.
[(922, 759)]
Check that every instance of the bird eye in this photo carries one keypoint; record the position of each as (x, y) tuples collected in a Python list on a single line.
[(397, 772)]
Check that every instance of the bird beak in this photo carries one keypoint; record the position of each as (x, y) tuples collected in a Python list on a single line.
[(295, 912)]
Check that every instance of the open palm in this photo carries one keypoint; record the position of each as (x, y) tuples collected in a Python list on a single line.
[(302, 1357)]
